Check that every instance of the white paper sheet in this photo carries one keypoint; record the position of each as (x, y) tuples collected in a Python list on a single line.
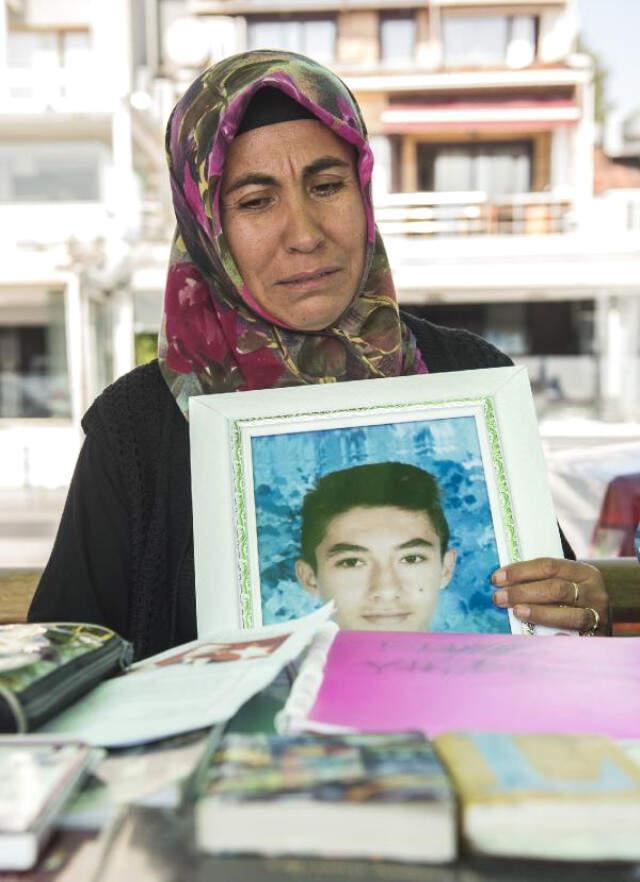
[(188, 687)]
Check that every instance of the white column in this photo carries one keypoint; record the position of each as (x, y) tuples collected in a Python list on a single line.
[(112, 31), (382, 161), (123, 331), (4, 79), (630, 399), (618, 327), (561, 159), (75, 331), (584, 139)]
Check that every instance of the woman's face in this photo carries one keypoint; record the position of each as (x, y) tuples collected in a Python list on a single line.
[(293, 216)]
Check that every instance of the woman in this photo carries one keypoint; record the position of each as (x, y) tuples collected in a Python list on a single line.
[(277, 277)]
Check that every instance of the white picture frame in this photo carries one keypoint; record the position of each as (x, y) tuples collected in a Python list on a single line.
[(236, 437)]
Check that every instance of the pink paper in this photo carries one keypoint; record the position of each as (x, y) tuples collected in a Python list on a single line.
[(383, 682)]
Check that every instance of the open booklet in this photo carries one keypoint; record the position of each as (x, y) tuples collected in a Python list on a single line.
[(188, 687)]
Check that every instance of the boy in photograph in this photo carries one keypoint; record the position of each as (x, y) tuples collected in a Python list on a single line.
[(375, 540)]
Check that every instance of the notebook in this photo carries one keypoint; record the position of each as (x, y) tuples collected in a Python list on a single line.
[(351, 796), (370, 681)]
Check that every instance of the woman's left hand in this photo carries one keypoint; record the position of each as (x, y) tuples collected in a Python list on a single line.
[(554, 592)]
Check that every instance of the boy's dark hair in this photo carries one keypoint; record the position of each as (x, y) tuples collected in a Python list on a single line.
[(375, 484)]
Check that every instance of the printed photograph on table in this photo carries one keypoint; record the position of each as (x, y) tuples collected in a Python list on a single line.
[(210, 653), (396, 503)]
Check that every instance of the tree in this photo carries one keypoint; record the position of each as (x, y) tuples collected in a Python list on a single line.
[(600, 77)]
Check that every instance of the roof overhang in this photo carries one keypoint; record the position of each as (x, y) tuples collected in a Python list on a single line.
[(457, 115), (375, 80)]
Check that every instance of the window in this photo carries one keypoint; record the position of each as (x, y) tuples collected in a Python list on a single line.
[(315, 37), (397, 38), (34, 380), (146, 347), (42, 49), (522, 328), (147, 308), (75, 50), (497, 169), (489, 40), (53, 62), (50, 172)]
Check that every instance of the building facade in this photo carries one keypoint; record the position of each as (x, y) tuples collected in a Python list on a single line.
[(481, 117), (69, 201), (481, 121)]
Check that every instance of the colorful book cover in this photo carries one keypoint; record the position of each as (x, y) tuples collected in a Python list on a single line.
[(349, 768), (561, 797), (494, 767)]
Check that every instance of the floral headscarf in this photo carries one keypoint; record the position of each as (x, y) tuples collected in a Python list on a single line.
[(214, 336)]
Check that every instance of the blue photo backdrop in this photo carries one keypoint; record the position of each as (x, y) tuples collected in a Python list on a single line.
[(285, 467)]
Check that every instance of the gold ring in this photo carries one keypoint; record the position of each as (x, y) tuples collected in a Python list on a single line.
[(590, 632), (576, 593)]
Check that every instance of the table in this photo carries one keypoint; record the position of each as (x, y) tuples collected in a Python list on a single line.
[(154, 845)]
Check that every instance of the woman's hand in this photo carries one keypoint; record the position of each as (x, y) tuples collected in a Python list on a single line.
[(554, 592)]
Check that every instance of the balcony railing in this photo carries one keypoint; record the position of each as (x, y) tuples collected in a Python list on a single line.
[(53, 88), (473, 214)]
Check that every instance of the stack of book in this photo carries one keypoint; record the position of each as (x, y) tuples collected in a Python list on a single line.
[(386, 796), (38, 777), (554, 797), (395, 747)]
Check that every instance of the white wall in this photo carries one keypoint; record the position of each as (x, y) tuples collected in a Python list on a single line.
[(561, 160), (558, 32), (583, 159), (37, 454), (618, 323), (58, 13), (382, 155)]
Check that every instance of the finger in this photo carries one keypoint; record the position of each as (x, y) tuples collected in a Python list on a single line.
[(541, 568), (550, 591), (569, 618)]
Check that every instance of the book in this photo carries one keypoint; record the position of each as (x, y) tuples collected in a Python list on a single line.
[(68, 856), (631, 747), (157, 775), (156, 845), (369, 681), (208, 679), (38, 777), (45, 667), (310, 795), (564, 797)]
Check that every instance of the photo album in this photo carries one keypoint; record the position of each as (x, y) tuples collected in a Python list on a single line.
[(395, 499)]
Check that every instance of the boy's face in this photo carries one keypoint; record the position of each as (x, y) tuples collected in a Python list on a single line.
[(383, 568)]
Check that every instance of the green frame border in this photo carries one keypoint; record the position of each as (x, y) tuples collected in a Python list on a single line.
[(239, 469)]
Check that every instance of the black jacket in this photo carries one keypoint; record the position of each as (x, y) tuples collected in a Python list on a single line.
[(123, 556)]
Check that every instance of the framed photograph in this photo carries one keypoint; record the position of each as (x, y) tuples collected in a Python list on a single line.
[(395, 498)]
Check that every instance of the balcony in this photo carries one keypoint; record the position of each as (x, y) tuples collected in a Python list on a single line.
[(473, 214), (54, 88), (46, 224)]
